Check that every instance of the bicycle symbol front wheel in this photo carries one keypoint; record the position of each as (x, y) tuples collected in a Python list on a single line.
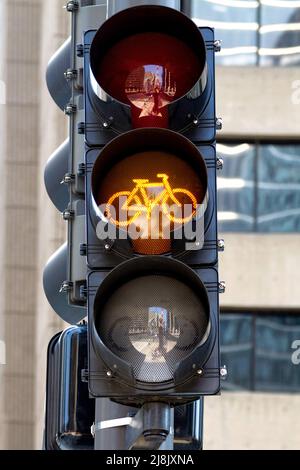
[(189, 200)]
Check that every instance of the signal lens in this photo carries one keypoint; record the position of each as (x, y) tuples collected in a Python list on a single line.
[(148, 71), (153, 321), (150, 192)]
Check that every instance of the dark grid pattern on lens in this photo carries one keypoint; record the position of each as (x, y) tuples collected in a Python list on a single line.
[(153, 322)]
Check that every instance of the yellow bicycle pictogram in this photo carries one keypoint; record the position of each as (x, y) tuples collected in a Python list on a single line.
[(138, 201)]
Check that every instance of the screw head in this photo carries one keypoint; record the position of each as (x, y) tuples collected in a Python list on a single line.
[(109, 373), (105, 125), (221, 244), (70, 74), (222, 287), (107, 246), (66, 287), (72, 6), (217, 45), (220, 163), (199, 371), (223, 372), (219, 123), (68, 178), (70, 109), (68, 214), (195, 121)]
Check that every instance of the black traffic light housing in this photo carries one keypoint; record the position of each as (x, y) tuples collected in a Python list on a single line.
[(108, 252), (101, 121), (109, 134), (192, 114), (110, 376)]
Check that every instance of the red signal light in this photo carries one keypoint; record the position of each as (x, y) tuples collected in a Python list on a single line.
[(147, 57), (148, 71)]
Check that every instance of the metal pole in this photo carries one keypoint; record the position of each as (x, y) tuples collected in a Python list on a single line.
[(111, 438), (150, 427)]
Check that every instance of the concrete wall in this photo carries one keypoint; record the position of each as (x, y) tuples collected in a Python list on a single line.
[(249, 421), (19, 169), (2, 211), (31, 135), (261, 270), (259, 102)]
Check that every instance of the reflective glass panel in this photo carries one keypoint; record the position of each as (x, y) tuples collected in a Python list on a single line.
[(236, 334), (278, 188), (262, 32), (153, 322), (236, 25), (279, 33), (274, 369), (261, 351)]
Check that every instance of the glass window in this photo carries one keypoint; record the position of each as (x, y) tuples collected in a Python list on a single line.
[(236, 188), (236, 25), (274, 369), (257, 350), (259, 188), (236, 341), (253, 32), (278, 188), (279, 33)]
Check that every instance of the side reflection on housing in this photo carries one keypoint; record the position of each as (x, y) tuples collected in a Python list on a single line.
[(150, 88)]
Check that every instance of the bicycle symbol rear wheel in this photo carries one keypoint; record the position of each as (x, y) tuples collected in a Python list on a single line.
[(126, 221)]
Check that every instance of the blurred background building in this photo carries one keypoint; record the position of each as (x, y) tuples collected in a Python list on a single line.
[(258, 97)]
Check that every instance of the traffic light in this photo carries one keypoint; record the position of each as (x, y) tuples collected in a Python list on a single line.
[(151, 216), (136, 184)]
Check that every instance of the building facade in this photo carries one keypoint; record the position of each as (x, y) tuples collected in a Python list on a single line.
[(259, 215), (258, 97), (30, 230)]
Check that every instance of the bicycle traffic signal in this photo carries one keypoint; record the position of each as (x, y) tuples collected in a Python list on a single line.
[(151, 216)]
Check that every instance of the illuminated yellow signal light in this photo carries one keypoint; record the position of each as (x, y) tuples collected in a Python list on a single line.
[(139, 202), (151, 184)]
